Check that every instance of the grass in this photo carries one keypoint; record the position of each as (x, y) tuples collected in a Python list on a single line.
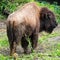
[(4, 41), (52, 53), (46, 36)]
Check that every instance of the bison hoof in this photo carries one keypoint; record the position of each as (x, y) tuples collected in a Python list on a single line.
[(27, 51), (15, 55)]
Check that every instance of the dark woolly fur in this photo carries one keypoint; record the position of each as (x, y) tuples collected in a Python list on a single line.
[(28, 22)]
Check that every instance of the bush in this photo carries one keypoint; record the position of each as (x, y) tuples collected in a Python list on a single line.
[(55, 8), (11, 5)]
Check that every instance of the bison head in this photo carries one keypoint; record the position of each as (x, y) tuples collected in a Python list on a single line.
[(47, 20)]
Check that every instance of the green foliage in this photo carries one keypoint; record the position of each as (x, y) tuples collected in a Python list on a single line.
[(11, 5), (53, 7)]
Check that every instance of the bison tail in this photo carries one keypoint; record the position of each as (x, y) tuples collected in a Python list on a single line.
[(10, 31)]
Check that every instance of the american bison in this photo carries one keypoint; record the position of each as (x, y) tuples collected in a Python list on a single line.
[(28, 21)]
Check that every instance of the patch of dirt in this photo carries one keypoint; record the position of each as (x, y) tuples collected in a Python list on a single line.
[(57, 29), (2, 25), (48, 44), (6, 51), (2, 28)]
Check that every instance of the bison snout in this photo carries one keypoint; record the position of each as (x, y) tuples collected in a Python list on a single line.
[(55, 25)]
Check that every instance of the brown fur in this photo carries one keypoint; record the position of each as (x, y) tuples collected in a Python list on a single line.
[(28, 22)]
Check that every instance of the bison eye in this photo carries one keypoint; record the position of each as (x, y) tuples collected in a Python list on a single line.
[(48, 17)]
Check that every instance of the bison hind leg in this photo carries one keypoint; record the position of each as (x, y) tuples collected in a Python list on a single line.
[(24, 44), (14, 36), (12, 41)]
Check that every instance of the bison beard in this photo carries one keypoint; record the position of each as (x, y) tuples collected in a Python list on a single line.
[(28, 21)]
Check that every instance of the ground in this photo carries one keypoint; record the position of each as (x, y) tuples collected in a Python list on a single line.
[(47, 49)]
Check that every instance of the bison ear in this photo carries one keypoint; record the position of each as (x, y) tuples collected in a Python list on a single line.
[(44, 14), (47, 16)]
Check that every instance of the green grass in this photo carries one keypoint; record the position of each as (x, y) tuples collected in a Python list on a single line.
[(4, 41), (53, 53), (46, 36)]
